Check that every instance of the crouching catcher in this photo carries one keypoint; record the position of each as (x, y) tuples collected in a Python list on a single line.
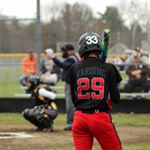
[(44, 112)]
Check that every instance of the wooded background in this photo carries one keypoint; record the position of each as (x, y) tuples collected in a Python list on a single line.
[(129, 24)]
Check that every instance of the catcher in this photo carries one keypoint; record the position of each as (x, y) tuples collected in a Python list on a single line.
[(45, 110)]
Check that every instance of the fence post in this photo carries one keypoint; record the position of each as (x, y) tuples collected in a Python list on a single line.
[(149, 58), (38, 34)]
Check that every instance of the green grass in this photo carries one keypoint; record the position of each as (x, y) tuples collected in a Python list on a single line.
[(14, 118), (132, 120), (9, 81), (128, 120), (136, 147), (17, 118)]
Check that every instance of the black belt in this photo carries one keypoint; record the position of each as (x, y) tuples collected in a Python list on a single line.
[(93, 111)]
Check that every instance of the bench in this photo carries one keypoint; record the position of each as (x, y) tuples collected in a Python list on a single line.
[(60, 95), (24, 95)]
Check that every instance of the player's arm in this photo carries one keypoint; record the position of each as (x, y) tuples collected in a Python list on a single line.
[(73, 95), (105, 44), (65, 65), (114, 81), (114, 93), (45, 93)]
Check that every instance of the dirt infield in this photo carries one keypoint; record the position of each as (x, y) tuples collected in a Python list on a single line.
[(60, 139)]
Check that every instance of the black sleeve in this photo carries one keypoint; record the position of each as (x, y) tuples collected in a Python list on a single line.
[(115, 78), (65, 64), (42, 66), (69, 74), (69, 79), (57, 70)]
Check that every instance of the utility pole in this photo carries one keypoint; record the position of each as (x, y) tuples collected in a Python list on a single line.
[(38, 33), (134, 32)]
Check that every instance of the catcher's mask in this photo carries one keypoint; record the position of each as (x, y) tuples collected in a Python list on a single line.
[(33, 81)]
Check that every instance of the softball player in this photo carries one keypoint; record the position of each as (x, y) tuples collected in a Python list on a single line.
[(92, 83), (44, 112)]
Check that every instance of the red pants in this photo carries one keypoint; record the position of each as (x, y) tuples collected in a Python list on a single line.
[(98, 125)]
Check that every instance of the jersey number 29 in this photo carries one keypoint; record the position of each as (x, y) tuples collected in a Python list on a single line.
[(96, 84)]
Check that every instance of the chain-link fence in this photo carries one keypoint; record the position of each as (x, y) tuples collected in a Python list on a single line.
[(11, 71)]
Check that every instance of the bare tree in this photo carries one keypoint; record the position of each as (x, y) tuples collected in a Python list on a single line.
[(76, 19), (51, 11), (51, 27), (4, 36), (82, 19), (136, 16), (135, 11)]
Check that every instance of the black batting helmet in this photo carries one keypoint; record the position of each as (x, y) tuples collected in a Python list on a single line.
[(89, 41)]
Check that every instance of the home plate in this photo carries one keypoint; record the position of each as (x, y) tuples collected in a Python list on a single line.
[(14, 135)]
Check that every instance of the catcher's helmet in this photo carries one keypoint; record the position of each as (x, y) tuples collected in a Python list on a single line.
[(34, 80), (89, 41)]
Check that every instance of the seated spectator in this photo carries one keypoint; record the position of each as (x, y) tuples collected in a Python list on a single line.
[(47, 66), (138, 74), (29, 66), (117, 62), (138, 51)]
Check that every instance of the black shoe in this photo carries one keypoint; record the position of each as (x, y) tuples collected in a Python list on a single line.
[(38, 129), (50, 129), (68, 127)]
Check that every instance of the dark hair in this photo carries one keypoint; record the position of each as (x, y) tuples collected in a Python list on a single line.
[(67, 47), (63, 48), (96, 52), (138, 49)]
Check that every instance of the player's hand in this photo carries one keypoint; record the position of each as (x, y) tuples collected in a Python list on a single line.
[(106, 36), (52, 56), (105, 44)]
